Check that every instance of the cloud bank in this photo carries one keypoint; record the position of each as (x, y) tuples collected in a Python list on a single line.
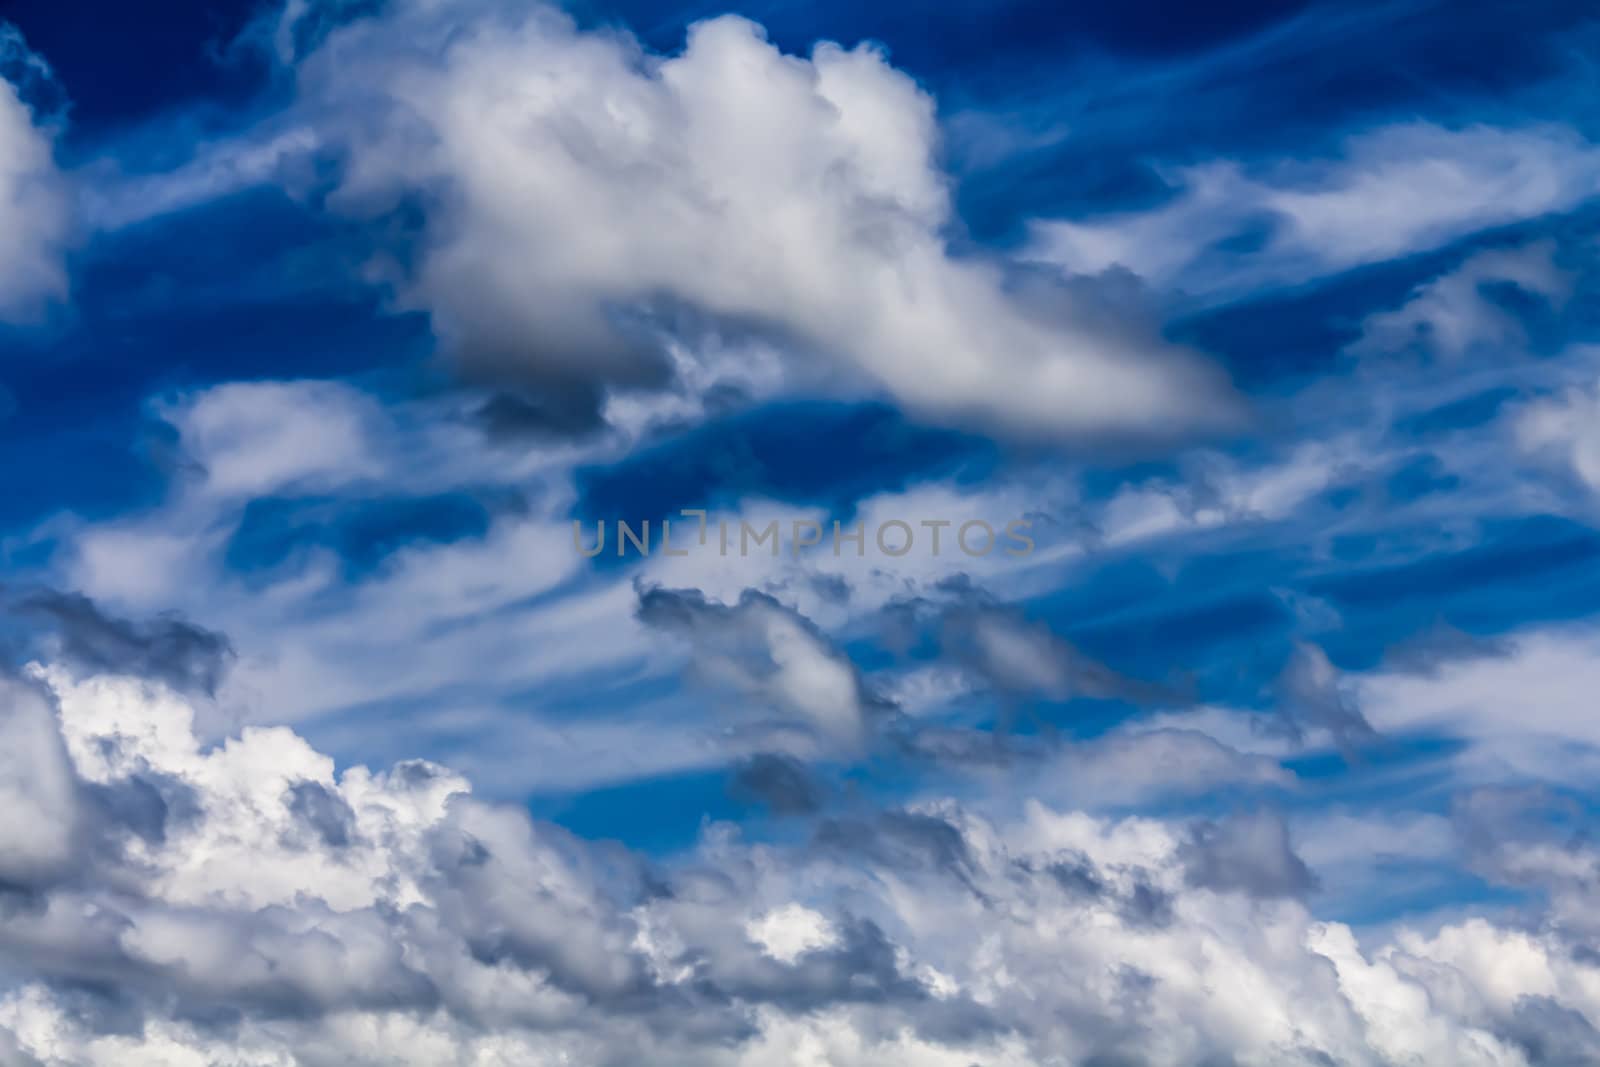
[(168, 903)]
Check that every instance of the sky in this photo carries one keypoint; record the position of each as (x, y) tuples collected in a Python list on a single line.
[(799, 535)]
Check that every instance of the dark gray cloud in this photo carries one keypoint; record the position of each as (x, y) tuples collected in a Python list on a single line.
[(861, 967), (899, 840), (165, 648), (143, 804), (1552, 1034), (1530, 836), (513, 416), (1000, 647), (777, 782), (1140, 904), (322, 812), (1313, 695), (1443, 646), (777, 662), (1248, 853)]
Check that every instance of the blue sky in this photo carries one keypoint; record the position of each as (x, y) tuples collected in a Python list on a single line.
[(330, 331)]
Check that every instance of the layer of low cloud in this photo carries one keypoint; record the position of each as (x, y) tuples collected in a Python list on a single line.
[(260, 907)]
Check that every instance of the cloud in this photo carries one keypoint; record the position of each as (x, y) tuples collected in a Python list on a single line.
[(1451, 316), (1140, 763), (34, 212), (1393, 191), (1001, 650), (771, 654), (1313, 695), (1017, 657), (780, 783), (167, 649), (1248, 853), (585, 201), (39, 831), (1566, 429), (295, 913), (260, 438), (1523, 704)]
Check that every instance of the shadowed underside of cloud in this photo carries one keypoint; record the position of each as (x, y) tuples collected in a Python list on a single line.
[(776, 659), (268, 910), (580, 194), (168, 649)]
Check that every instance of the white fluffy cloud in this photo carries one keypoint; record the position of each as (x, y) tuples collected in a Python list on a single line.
[(33, 202), (260, 438), (249, 903), (580, 193), (1526, 706)]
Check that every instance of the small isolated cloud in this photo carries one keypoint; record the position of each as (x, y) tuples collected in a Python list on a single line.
[(777, 659), (1003, 651)]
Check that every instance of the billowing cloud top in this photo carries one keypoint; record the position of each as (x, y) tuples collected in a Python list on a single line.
[(580, 196), (251, 905)]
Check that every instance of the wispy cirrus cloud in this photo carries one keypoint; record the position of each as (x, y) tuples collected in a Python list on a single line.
[(1232, 228)]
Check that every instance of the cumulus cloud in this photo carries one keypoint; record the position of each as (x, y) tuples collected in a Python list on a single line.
[(34, 213), (585, 201), (292, 913), (1393, 191)]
